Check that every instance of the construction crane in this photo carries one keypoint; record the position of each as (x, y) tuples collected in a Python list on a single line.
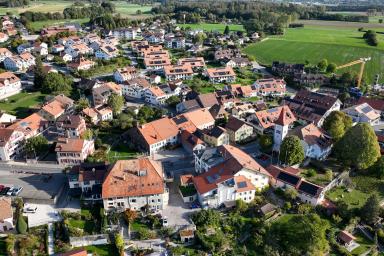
[(360, 61)]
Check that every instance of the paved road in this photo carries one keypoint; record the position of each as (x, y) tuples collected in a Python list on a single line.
[(30, 167)]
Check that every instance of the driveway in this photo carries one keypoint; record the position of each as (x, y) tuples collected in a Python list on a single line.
[(44, 214), (177, 212)]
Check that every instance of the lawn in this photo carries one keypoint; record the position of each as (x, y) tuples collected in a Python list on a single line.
[(354, 198), (101, 250), (87, 221), (121, 152), (130, 10), (365, 244), (314, 43), (37, 25), (213, 27), (21, 104)]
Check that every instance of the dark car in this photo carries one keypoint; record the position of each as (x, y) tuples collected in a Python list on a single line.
[(5, 190)]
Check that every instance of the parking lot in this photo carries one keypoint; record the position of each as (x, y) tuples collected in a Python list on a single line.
[(44, 214), (37, 188)]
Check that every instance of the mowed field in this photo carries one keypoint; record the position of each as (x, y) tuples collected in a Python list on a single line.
[(213, 27), (314, 43), (122, 7)]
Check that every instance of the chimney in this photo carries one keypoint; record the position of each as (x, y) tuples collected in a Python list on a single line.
[(124, 177)]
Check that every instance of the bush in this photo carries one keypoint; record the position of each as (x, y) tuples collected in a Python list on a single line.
[(21, 226), (144, 234), (311, 173)]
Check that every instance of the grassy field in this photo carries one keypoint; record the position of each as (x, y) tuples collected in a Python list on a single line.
[(314, 43), (365, 244), (39, 6), (212, 27), (122, 7), (21, 104), (354, 198), (37, 25)]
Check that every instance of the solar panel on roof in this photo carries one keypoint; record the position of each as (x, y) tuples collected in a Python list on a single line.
[(242, 184), (308, 188), (367, 109), (289, 178)]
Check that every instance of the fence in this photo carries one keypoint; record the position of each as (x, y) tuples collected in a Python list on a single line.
[(89, 240)]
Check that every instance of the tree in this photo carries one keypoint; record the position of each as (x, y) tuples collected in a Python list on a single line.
[(323, 64), (116, 102), (336, 124), (371, 38), (291, 151), (87, 134), (371, 209), (130, 216), (39, 74), (378, 168), (358, 147), (380, 21), (57, 84), (266, 142), (21, 226), (287, 236), (226, 30), (331, 68), (82, 103), (290, 194), (119, 242), (173, 101), (35, 145)]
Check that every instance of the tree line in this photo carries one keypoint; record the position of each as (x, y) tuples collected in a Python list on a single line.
[(16, 3)]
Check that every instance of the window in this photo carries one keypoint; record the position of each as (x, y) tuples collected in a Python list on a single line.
[(133, 200)]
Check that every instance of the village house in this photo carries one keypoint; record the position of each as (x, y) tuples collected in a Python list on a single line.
[(53, 30), (102, 91), (133, 184), (78, 49), (57, 48), (135, 88), (10, 85), (70, 126), (99, 114), (3, 37), (11, 143), (363, 113), (221, 75), (190, 142), (264, 120), (40, 49), (80, 64), (236, 176), (126, 33), (33, 125), (123, 74), (176, 72), (316, 143), (347, 240), (86, 180), (143, 48), (107, 52), (6, 214), (25, 47), (154, 38), (238, 130), (19, 62), (221, 54), (285, 178), (73, 151), (155, 96), (56, 107), (157, 60), (196, 63), (215, 136), (174, 42), (6, 119), (4, 53), (311, 80), (312, 107), (236, 62), (284, 69), (270, 87)]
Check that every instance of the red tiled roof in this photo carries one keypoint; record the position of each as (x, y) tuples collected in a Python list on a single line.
[(137, 177)]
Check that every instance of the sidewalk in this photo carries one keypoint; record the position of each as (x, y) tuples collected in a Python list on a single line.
[(51, 246)]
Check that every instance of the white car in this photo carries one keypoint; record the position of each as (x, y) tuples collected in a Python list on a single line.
[(165, 221), (30, 209), (10, 191)]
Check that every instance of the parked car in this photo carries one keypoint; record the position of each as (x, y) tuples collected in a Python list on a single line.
[(10, 191), (165, 221), (30, 209), (16, 191), (5, 191)]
